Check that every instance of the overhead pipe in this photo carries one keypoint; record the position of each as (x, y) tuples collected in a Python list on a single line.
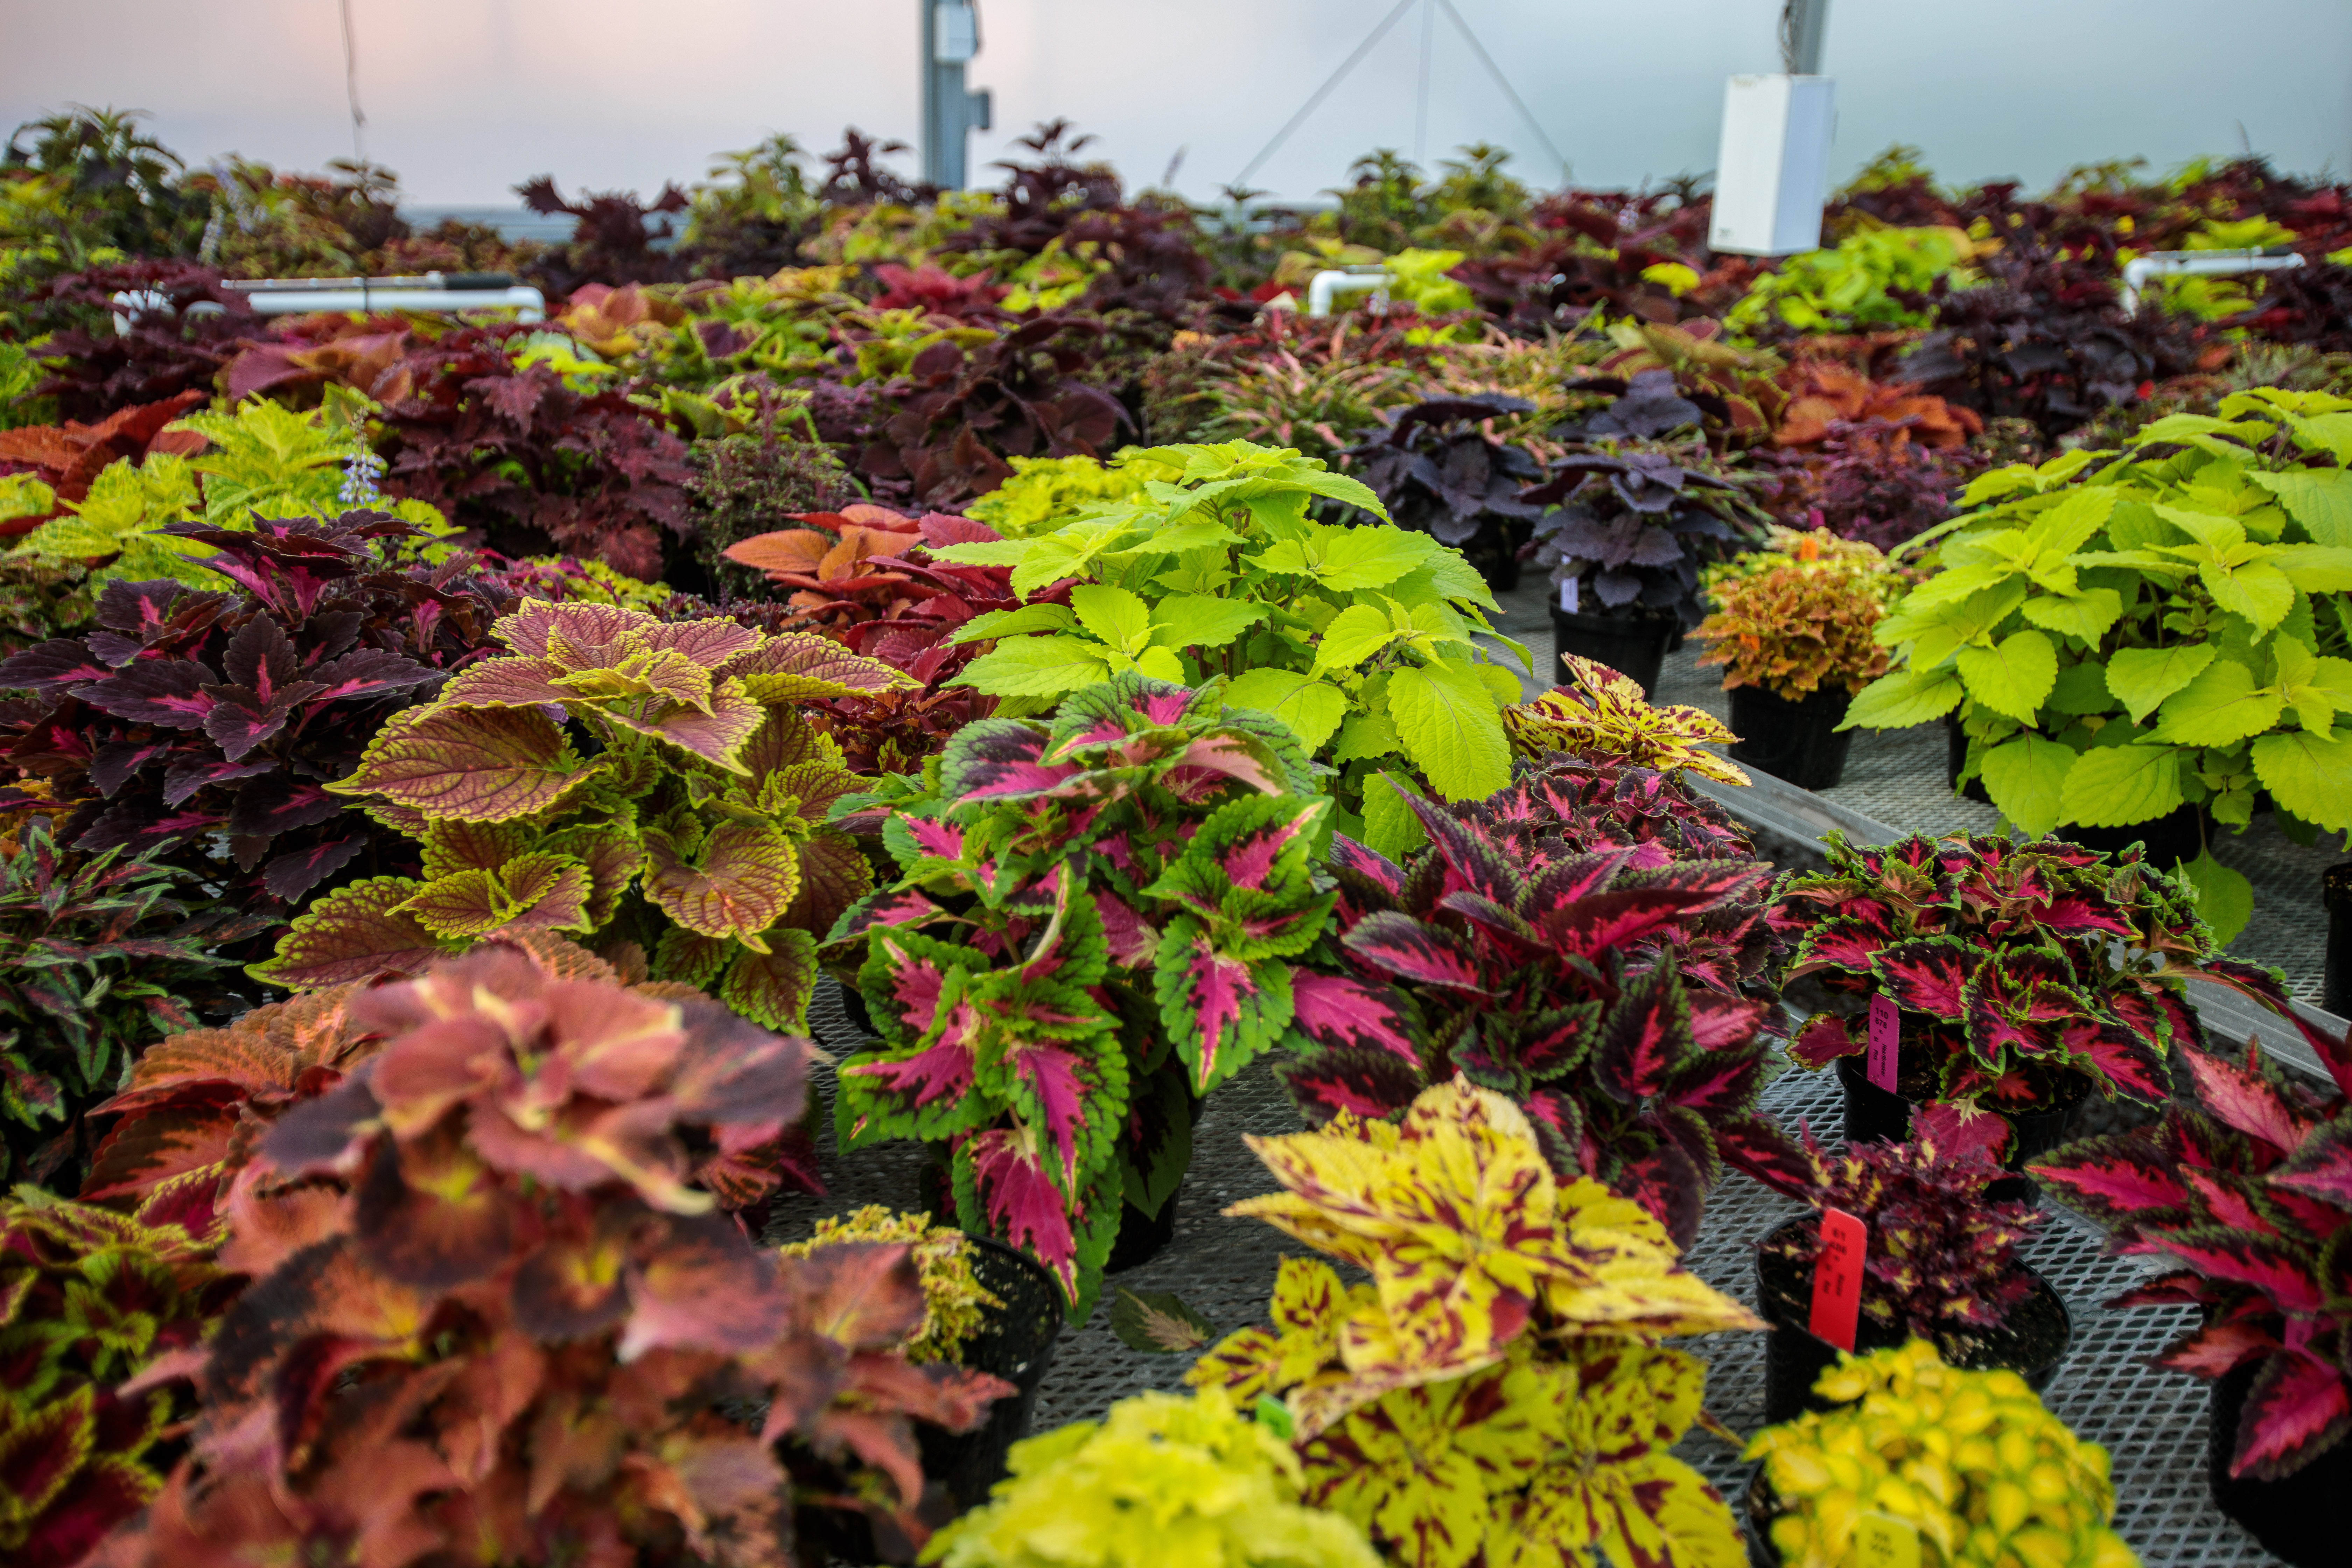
[(2185, 263), (424, 293), (1372, 281)]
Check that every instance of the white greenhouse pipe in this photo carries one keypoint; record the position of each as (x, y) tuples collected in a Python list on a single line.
[(1319, 292), (528, 303), (2184, 263)]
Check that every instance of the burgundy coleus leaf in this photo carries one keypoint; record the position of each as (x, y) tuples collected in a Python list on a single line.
[(1645, 1036), (279, 803), (2268, 1266), (1824, 1038), (1349, 860), (1567, 883), (1339, 1012), (186, 774), (1017, 1193), (2323, 1166), (1838, 943), (2119, 1057), (2298, 1404), (1592, 927), (293, 874), (1476, 866), (2246, 1098), (136, 824), (1927, 974), (1755, 1144), (2072, 914), (142, 609), (368, 672), (1410, 950), (118, 761), (1364, 1081), (166, 691), (2213, 1349), (59, 662), (243, 716), (1668, 1183), (1061, 1095)]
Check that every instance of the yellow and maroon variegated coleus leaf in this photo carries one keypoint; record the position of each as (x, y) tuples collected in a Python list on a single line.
[(1468, 1235), (490, 765)]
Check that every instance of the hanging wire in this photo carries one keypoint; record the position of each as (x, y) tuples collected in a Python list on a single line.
[(1323, 92), (1421, 101), (352, 83), (1789, 37), (1503, 82)]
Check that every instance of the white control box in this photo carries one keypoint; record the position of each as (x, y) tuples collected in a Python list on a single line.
[(1772, 170)]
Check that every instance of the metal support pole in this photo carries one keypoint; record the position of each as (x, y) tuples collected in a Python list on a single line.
[(1804, 28), (951, 31)]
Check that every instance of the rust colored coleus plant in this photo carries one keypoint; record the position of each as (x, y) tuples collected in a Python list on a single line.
[(2018, 971), (1496, 1393), (493, 1318), (642, 781), (1096, 922), (1600, 989), (2242, 1190)]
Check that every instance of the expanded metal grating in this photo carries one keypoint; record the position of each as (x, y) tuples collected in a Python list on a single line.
[(2152, 1422)]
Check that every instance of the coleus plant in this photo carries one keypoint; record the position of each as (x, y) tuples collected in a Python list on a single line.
[(97, 960), (90, 1297), (1600, 715), (2123, 634), (2241, 1190), (1359, 638), (1496, 1393), (1096, 922), (1598, 989), (491, 1315), (1631, 524), (1798, 625), (694, 826), (1438, 471), (2022, 973), (1941, 1262), (193, 714)]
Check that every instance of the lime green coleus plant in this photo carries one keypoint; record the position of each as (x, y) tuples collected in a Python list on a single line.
[(2123, 634), (1359, 638)]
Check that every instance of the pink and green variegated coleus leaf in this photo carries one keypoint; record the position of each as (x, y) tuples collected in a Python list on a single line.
[(2245, 1185), (1004, 1187)]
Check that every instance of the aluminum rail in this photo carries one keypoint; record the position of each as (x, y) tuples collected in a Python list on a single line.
[(2186, 263), (1779, 808), (1374, 281)]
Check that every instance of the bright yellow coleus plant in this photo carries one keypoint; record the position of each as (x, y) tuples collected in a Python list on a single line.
[(1600, 714)]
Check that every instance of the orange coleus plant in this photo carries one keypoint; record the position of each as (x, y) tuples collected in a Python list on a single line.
[(494, 1317), (1800, 621), (843, 567), (1824, 394)]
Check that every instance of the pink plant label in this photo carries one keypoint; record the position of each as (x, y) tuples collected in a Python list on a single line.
[(1886, 1042), (1837, 1279)]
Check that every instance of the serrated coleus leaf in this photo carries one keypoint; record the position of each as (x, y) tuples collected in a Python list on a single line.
[(354, 934), (1158, 1323), (537, 891), (1457, 1217), (802, 667), (738, 884), (1005, 1187), (1646, 1035), (1220, 1011), (716, 734), (471, 765), (773, 988)]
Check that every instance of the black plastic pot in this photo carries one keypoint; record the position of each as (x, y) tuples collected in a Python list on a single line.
[(1016, 1342), (2178, 836), (1797, 740), (2305, 1519), (1956, 757), (1633, 645), (1873, 1114), (1763, 1508), (2031, 1340), (2335, 975)]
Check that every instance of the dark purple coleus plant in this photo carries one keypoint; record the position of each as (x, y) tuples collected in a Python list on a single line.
[(1597, 988), (1633, 524), (198, 720), (1440, 473), (2244, 1186), (1095, 923)]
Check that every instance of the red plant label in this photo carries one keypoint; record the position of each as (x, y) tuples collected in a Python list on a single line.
[(1837, 1279), (1886, 1042)]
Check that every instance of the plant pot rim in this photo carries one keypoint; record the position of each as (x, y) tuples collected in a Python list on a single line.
[(2041, 1286)]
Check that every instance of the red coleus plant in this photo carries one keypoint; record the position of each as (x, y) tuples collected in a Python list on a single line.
[(1558, 977), (2244, 1186), (192, 714), (1095, 922), (2018, 971), (511, 450), (493, 1319)]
